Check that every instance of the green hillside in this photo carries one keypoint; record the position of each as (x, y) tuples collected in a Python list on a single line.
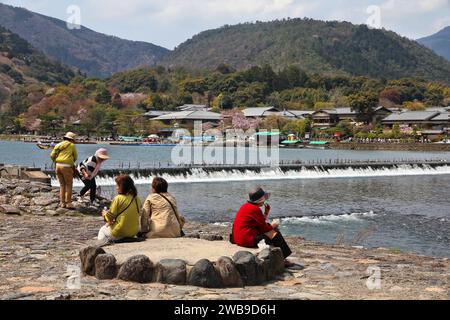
[(338, 48)]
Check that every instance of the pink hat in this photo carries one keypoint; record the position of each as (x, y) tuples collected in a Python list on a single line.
[(102, 154)]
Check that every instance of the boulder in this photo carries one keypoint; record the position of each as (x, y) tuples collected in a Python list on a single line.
[(7, 209), (87, 257), (203, 274), (105, 266), (277, 261), (171, 271), (266, 256), (137, 269), (3, 190), (247, 265), (45, 200), (61, 211), (229, 275), (87, 209)]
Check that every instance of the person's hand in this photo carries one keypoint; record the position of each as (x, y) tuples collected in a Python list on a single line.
[(266, 209), (275, 224)]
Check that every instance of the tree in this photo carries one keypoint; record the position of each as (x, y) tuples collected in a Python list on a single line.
[(274, 122), (298, 127), (117, 101), (364, 104), (103, 96)]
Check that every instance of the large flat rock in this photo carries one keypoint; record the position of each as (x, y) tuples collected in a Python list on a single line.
[(187, 249)]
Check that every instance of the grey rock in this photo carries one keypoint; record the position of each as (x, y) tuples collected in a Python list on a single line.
[(171, 271), (87, 257), (4, 199), (3, 190), (86, 209), (7, 209), (20, 201), (248, 267), (45, 200), (228, 272), (20, 190), (137, 269), (211, 237), (267, 259), (277, 261), (203, 274), (61, 211), (105, 266), (52, 213), (193, 235)]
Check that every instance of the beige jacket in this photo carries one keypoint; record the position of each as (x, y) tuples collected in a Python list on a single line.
[(158, 218)]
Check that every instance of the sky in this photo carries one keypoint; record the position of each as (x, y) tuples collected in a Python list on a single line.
[(168, 23)]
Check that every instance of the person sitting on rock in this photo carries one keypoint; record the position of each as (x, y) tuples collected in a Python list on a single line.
[(64, 155), (250, 226), (122, 219), (160, 217), (88, 170)]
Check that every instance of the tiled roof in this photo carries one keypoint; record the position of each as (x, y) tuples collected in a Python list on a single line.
[(411, 116), (191, 115)]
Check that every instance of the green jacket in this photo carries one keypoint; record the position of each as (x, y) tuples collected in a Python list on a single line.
[(64, 152), (127, 224)]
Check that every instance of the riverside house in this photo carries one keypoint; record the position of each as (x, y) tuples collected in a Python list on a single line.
[(187, 118)]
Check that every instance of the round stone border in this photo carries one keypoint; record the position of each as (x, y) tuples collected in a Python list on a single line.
[(244, 269)]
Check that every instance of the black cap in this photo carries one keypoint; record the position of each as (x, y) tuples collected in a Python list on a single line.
[(258, 195)]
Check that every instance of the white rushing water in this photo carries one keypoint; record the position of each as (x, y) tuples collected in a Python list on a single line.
[(354, 217), (202, 176)]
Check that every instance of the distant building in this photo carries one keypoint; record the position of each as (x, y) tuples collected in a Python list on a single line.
[(156, 114), (421, 119), (327, 118), (264, 112), (193, 107), (187, 118)]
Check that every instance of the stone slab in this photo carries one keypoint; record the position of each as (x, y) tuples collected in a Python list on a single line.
[(187, 249)]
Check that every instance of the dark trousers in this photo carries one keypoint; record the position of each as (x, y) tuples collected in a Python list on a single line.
[(277, 241), (89, 185)]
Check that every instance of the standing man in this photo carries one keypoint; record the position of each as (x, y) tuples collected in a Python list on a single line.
[(64, 156)]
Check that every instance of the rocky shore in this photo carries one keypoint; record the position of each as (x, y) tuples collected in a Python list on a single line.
[(40, 246)]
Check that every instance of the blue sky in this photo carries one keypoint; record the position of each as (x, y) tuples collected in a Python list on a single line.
[(171, 22)]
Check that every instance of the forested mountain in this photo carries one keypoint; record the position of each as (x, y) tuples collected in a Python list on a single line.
[(21, 65), (438, 42), (338, 48), (94, 53)]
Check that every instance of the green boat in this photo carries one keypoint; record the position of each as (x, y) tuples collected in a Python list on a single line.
[(322, 145)]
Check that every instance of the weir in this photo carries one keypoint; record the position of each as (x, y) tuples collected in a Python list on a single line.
[(282, 168)]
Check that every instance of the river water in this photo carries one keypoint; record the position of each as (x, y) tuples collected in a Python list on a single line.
[(403, 208)]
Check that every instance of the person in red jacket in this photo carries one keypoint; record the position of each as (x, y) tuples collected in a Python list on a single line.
[(250, 226)]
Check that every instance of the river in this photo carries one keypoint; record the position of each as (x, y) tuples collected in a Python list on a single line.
[(403, 208)]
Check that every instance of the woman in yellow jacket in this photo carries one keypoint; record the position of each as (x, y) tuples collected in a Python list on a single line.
[(123, 216), (64, 156)]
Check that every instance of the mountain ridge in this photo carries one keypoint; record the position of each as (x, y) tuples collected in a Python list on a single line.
[(438, 42), (96, 54), (315, 46)]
